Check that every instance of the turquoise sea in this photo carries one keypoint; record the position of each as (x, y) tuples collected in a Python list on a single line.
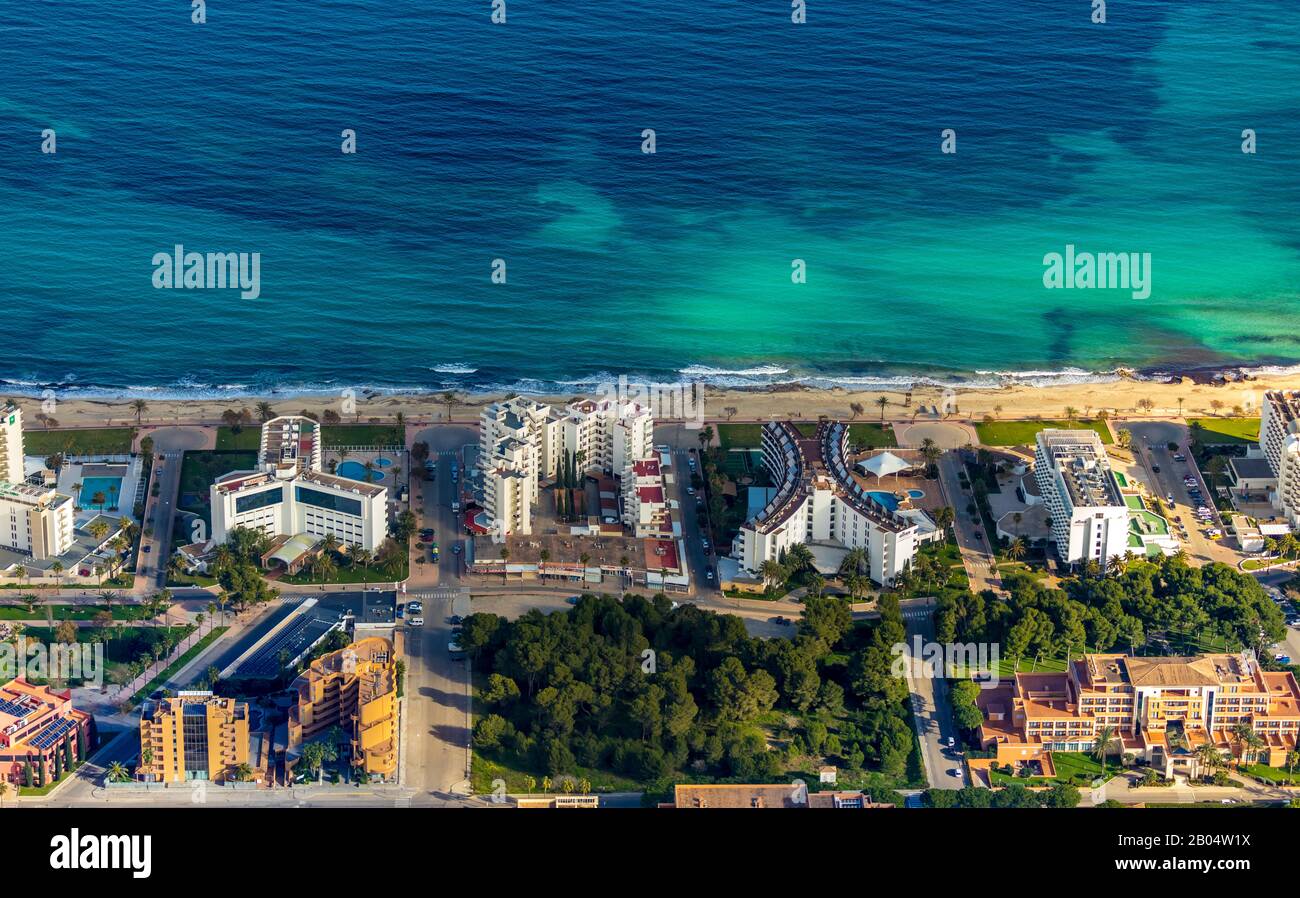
[(522, 142)]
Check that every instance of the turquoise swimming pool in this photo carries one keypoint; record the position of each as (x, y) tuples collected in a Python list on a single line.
[(355, 470), (111, 487), (886, 499)]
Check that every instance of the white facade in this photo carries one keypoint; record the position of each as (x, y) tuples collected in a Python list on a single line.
[(523, 442), (1279, 438), (11, 444), (290, 495), (817, 500), (35, 521), (1089, 515)]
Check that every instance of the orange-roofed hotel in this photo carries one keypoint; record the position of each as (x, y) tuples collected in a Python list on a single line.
[(1163, 709), (35, 724)]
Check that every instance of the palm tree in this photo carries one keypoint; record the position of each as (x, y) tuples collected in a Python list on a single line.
[(1247, 741), (1101, 747), (855, 560), (265, 412), (1117, 563), (705, 436), (1017, 549), (139, 406), (450, 399), (883, 402), (117, 772), (1210, 756), (772, 572)]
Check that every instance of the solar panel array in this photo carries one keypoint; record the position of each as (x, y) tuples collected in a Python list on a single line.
[(52, 733), (13, 709)]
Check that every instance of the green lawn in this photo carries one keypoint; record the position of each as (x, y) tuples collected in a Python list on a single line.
[(201, 468), (873, 435), (189, 655), (97, 441), (249, 436), (349, 574), (1022, 433), (739, 436), (375, 435), (66, 612), (1068, 766), (1230, 431), (747, 435), (1273, 774)]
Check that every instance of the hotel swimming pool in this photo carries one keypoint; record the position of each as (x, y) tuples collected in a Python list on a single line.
[(355, 470), (111, 487), (889, 500)]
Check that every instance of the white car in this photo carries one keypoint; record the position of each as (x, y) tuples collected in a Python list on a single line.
[(415, 621)]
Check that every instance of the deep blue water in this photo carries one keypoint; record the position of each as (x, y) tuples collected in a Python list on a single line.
[(522, 142)]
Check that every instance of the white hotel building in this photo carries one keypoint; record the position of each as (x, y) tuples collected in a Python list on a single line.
[(1279, 438), (290, 495), (818, 501), (1089, 515), (523, 442), (34, 520)]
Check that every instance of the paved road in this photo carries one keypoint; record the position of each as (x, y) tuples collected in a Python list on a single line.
[(975, 554), (684, 443), (151, 569), (438, 718), (438, 721), (930, 707)]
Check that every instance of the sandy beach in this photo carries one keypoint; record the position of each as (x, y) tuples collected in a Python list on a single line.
[(1120, 398)]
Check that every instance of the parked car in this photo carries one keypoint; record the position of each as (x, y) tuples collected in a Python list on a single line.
[(414, 607), (416, 622), (455, 620), (573, 600), (455, 549)]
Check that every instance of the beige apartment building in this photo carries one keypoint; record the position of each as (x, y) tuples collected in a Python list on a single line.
[(193, 736), (1161, 709)]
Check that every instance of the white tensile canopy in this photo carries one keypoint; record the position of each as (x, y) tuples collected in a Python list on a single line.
[(883, 464)]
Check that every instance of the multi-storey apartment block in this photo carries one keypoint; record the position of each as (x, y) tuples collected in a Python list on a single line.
[(523, 442), (36, 520), (193, 736), (817, 500), (290, 495), (1162, 709), (11, 444), (354, 689), (1279, 438), (1090, 520)]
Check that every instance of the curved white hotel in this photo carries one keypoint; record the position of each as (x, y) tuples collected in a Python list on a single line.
[(818, 501), (290, 495)]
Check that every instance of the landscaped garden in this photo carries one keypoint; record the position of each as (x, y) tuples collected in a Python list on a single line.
[(1226, 431), (1023, 433), (90, 441)]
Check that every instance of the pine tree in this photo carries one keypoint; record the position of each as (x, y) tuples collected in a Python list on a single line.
[(28, 775)]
